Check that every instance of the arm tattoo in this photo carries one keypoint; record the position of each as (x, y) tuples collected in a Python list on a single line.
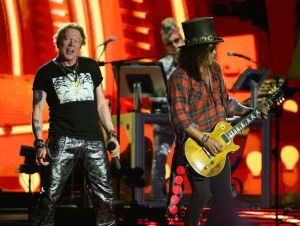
[(36, 127), (36, 122), (242, 110), (37, 96)]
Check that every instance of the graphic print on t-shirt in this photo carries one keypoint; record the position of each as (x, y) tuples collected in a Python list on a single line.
[(69, 89)]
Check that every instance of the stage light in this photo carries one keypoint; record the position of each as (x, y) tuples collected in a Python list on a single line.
[(138, 1), (81, 18), (21, 129), (289, 156), (173, 209), (139, 14), (178, 179), (143, 45), (290, 105), (179, 11), (142, 30), (253, 161), (15, 36), (177, 190), (168, 171), (59, 12), (57, 1), (174, 199), (34, 181), (180, 170)]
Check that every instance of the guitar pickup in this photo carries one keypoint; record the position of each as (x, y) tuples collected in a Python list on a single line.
[(225, 138)]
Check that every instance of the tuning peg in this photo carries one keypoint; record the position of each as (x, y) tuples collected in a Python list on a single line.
[(280, 101)]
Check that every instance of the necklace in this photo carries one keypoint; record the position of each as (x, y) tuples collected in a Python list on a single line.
[(73, 73), (70, 70)]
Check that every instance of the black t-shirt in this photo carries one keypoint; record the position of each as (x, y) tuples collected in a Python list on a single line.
[(72, 101)]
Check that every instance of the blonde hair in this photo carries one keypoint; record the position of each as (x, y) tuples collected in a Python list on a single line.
[(60, 34), (168, 27)]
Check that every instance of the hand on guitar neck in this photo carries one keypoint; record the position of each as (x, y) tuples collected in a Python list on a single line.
[(264, 109)]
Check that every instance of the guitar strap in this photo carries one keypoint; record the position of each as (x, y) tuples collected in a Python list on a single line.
[(220, 90), (222, 97)]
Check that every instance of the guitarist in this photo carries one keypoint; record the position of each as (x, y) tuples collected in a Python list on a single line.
[(198, 100)]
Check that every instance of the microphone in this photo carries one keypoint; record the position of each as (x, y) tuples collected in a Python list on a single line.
[(111, 39), (115, 160), (230, 53)]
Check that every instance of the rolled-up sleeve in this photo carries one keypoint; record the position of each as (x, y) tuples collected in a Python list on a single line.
[(177, 94)]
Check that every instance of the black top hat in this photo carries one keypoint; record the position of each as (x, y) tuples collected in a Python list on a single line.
[(200, 31)]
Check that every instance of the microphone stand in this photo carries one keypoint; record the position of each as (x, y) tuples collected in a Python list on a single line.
[(117, 65), (275, 151), (103, 50)]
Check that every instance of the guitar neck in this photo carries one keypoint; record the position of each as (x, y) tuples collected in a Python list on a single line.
[(246, 121)]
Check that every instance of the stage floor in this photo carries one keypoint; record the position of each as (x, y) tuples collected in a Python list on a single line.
[(138, 215)]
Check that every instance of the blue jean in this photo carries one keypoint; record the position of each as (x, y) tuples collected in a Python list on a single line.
[(64, 153)]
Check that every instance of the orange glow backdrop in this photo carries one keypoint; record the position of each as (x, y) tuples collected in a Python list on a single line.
[(136, 26)]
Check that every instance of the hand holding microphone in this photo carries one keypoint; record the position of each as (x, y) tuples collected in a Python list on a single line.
[(115, 159)]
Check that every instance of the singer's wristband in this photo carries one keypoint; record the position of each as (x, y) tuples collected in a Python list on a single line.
[(111, 134), (39, 143)]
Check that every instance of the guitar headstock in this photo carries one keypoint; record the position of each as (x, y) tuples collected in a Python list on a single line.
[(277, 96)]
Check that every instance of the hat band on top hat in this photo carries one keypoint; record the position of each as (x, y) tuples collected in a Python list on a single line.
[(201, 39)]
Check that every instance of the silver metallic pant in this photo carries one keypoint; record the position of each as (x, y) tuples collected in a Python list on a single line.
[(63, 153)]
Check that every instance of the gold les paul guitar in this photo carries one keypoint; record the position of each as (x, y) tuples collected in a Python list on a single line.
[(207, 165)]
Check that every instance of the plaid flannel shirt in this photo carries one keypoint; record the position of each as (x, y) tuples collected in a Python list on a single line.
[(193, 103)]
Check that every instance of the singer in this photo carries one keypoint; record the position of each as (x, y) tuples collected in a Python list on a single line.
[(71, 86)]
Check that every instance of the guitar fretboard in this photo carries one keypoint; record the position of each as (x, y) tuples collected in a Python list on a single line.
[(246, 121)]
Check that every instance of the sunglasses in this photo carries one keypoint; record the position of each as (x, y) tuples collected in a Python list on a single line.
[(211, 48), (175, 41)]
